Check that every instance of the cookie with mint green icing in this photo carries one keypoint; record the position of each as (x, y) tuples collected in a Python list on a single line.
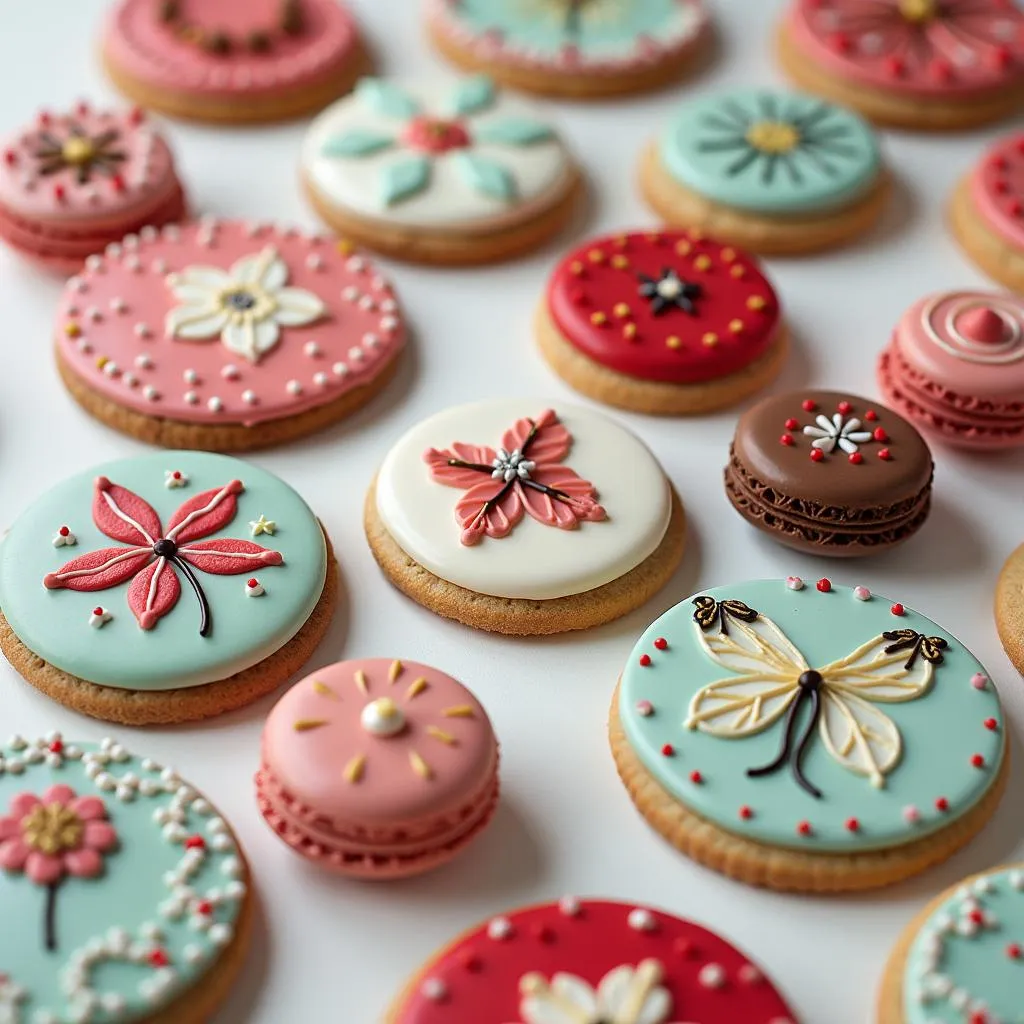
[(130, 892), (164, 588), (772, 170), (808, 737)]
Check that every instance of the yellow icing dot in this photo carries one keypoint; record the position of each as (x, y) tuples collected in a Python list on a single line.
[(773, 136), (917, 10), (756, 302), (702, 262), (620, 262), (72, 330), (598, 319), (629, 332), (684, 248), (595, 256), (728, 255), (101, 361), (710, 339), (736, 326), (345, 247), (673, 342), (621, 310), (576, 267), (77, 150), (738, 271)]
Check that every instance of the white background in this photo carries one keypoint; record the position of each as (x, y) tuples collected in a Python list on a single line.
[(340, 949)]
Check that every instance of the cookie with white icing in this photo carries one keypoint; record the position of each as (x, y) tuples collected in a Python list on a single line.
[(454, 172), (517, 518)]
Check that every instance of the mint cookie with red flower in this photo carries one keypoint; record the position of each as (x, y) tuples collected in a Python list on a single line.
[(662, 322), (518, 518), (142, 594), (807, 736), (131, 892)]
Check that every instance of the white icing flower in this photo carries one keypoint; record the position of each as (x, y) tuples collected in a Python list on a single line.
[(175, 478), (837, 431), (247, 305), (64, 538), (509, 466)]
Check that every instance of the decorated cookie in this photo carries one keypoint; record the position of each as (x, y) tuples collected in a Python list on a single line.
[(1010, 608), (829, 473), (955, 367), (987, 212), (451, 173), (666, 322), (233, 61), (226, 336), (936, 64), (130, 892), (572, 48), (72, 183), (808, 736), (164, 588), (521, 519), (590, 961), (378, 769), (962, 958), (779, 172)]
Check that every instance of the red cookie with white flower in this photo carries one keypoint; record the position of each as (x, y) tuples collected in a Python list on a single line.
[(583, 961), (225, 335), (662, 322)]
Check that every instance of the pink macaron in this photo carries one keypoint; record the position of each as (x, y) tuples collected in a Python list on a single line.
[(73, 183), (378, 769), (955, 367)]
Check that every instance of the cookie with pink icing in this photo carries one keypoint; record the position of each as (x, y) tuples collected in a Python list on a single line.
[(233, 61), (919, 63), (226, 335), (76, 181), (378, 768), (955, 366), (586, 962)]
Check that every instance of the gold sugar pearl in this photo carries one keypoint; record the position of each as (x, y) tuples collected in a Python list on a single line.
[(72, 330), (738, 271), (702, 263), (345, 247), (710, 340), (756, 302), (101, 361), (629, 332), (620, 262), (674, 342), (598, 319), (576, 267), (736, 326), (684, 248), (595, 256), (621, 310), (728, 255)]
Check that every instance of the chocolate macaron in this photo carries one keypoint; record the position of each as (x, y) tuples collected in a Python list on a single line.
[(830, 473)]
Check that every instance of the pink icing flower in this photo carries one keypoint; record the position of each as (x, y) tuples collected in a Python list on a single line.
[(151, 561), (524, 475)]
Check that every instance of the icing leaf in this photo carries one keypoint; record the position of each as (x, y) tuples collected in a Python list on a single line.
[(485, 176), (98, 570), (860, 736), (473, 95), (250, 338), (568, 500), (550, 438), (514, 131), (490, 508), (122, 515), (357, 142), (387, 99), (404, 179), (444, 472), (205, 513), (153, 593), (296, 307), (229, 557)]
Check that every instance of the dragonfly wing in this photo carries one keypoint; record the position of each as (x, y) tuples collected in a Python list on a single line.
[(860, 736), (885, 678), (759, 647), (741, 705)]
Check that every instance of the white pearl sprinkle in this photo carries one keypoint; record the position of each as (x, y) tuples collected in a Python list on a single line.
[(311, 348), (230, 372), (340, 369), (434, 989), (249, 397), (294, 387), (143, 362), (569, 905), (712, 976), (215, 404), (151, 392), (499, 929), (350, 294), (118, 305), (94, 263), (191, 398), (190, 377), (321, 379), (641, 920)]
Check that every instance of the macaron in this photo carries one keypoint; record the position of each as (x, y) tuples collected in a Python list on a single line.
[(930, 64), (586, 962), (829, 473), (233, 61), (774, 171), (73, 183), (662, 322), (378, 769), (955, 368)]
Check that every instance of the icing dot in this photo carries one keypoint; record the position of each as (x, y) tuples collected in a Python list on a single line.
[(1015, 951), (190, 377), (787, 440), (712, 976), (795, 583), (979, 681), (249, 397), (569, 905), (852, 825), (898, 609), (911, 815), (977, 761), (941, 804), (862, 593), (321, 380), (746, 813), (750, 975), (435, 990), (668, 750), (804, 828), (294, 387), (808, 405), (645, 660), (991, 724), (215, 404), (824, 585), (856, 459), (500, 929), (817, 455), (311, 348), (696, 778), (661, 643), (382, 717), (641, 920), (644, 708), (230, 372)]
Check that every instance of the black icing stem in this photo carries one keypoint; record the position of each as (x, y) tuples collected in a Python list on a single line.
[(206, 619)]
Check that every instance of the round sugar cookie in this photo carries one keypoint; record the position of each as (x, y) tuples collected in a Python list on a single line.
[(521, 519), (1009, 605), (164, 588), (808, 737), (131, 893), (226, 336)]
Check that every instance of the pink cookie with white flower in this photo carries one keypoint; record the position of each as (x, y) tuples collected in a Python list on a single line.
[(73, 183), (225, 335)]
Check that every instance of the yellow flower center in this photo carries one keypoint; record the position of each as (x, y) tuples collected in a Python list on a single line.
[(77, 151), (773, 136), (918, 10), (52, 828), (386, 708)]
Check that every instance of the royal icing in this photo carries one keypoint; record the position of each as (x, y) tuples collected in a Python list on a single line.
[(436, 156), (807, 716), (126, 884), (928, 48), (997, 189), (146, 550), (483, 541), (771, 152), (587, 962), (665, 306), (225, 322)]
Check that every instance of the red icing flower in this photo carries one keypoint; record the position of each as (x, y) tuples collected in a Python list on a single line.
[(435, 135), (155, 554), (524, 475)]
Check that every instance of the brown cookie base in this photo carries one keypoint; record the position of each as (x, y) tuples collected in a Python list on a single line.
[(518, 616), (1009, 607), (680, 207), (188, 704), (995, 256), (777, 868), (657, 398)]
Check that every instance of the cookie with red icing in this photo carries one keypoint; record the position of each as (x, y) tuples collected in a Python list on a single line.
[(226, 335), (590, 961), (233, 61), (74, 182), (935, 64), (667, 322)]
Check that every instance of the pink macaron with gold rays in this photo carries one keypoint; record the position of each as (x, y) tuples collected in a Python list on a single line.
[(955, 367), (378, 769)]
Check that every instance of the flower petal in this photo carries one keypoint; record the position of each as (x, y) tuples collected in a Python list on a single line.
[(228, 557), (98, 570), (205, 513), (579, 503), (540, 1010), (355, 143), (386, 98), (250, 338), (10, 828), (99, 835), (212, 279), (194, 294), (576, 991), (153, 593), (403, 179), (656, 1007), (471, 96), (455, 476), (24, 803), (478, 517), (89, 808), (122, 515), (196, 322), (614, 989), (296, 306), (485, 176), (514, 131), (44, 868), (550, 442), (58, 794), (13, 854), (264, 268), (84, 863)]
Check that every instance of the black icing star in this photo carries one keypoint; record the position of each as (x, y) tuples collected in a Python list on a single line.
[(670, 291)]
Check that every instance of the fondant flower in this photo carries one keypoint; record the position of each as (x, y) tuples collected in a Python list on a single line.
[(838, 431), (420, 138), (246, 305), (154, 555), (524, 475)]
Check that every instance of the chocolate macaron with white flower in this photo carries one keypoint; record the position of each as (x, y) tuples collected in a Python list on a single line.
[(830, 473)]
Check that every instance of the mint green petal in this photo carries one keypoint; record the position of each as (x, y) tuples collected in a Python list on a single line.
[(384, 98), (514, 131), (404, 179), (472, 95), (486, 176), (358, 142)]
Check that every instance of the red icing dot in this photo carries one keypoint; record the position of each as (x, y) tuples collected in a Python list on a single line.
[(941, 70), (204, 907), (840, 41), (787, 440), (885, 455), (895, 66), (871, 415), (804, 828), (696, 778), (57, 747), (661, 643), (137, 116), (435, 135), (817, 455), (252, 582), (976, 917), (159, 958), (1015, 951), (59, 192), (792, 424), (824, 585), (63, 531), (880, 435), (746, 812), (942, 804), (845, 408), (543, 933), (176, 474), (645, 660), (10, 157), (852, 825), (684, 947), (977, 761), (1001, 57), (118, 182), (856, 458), (97, 610), (578, 296), (991, 724), (808, 406), (195, 843), (897, 609), (668, 750)]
